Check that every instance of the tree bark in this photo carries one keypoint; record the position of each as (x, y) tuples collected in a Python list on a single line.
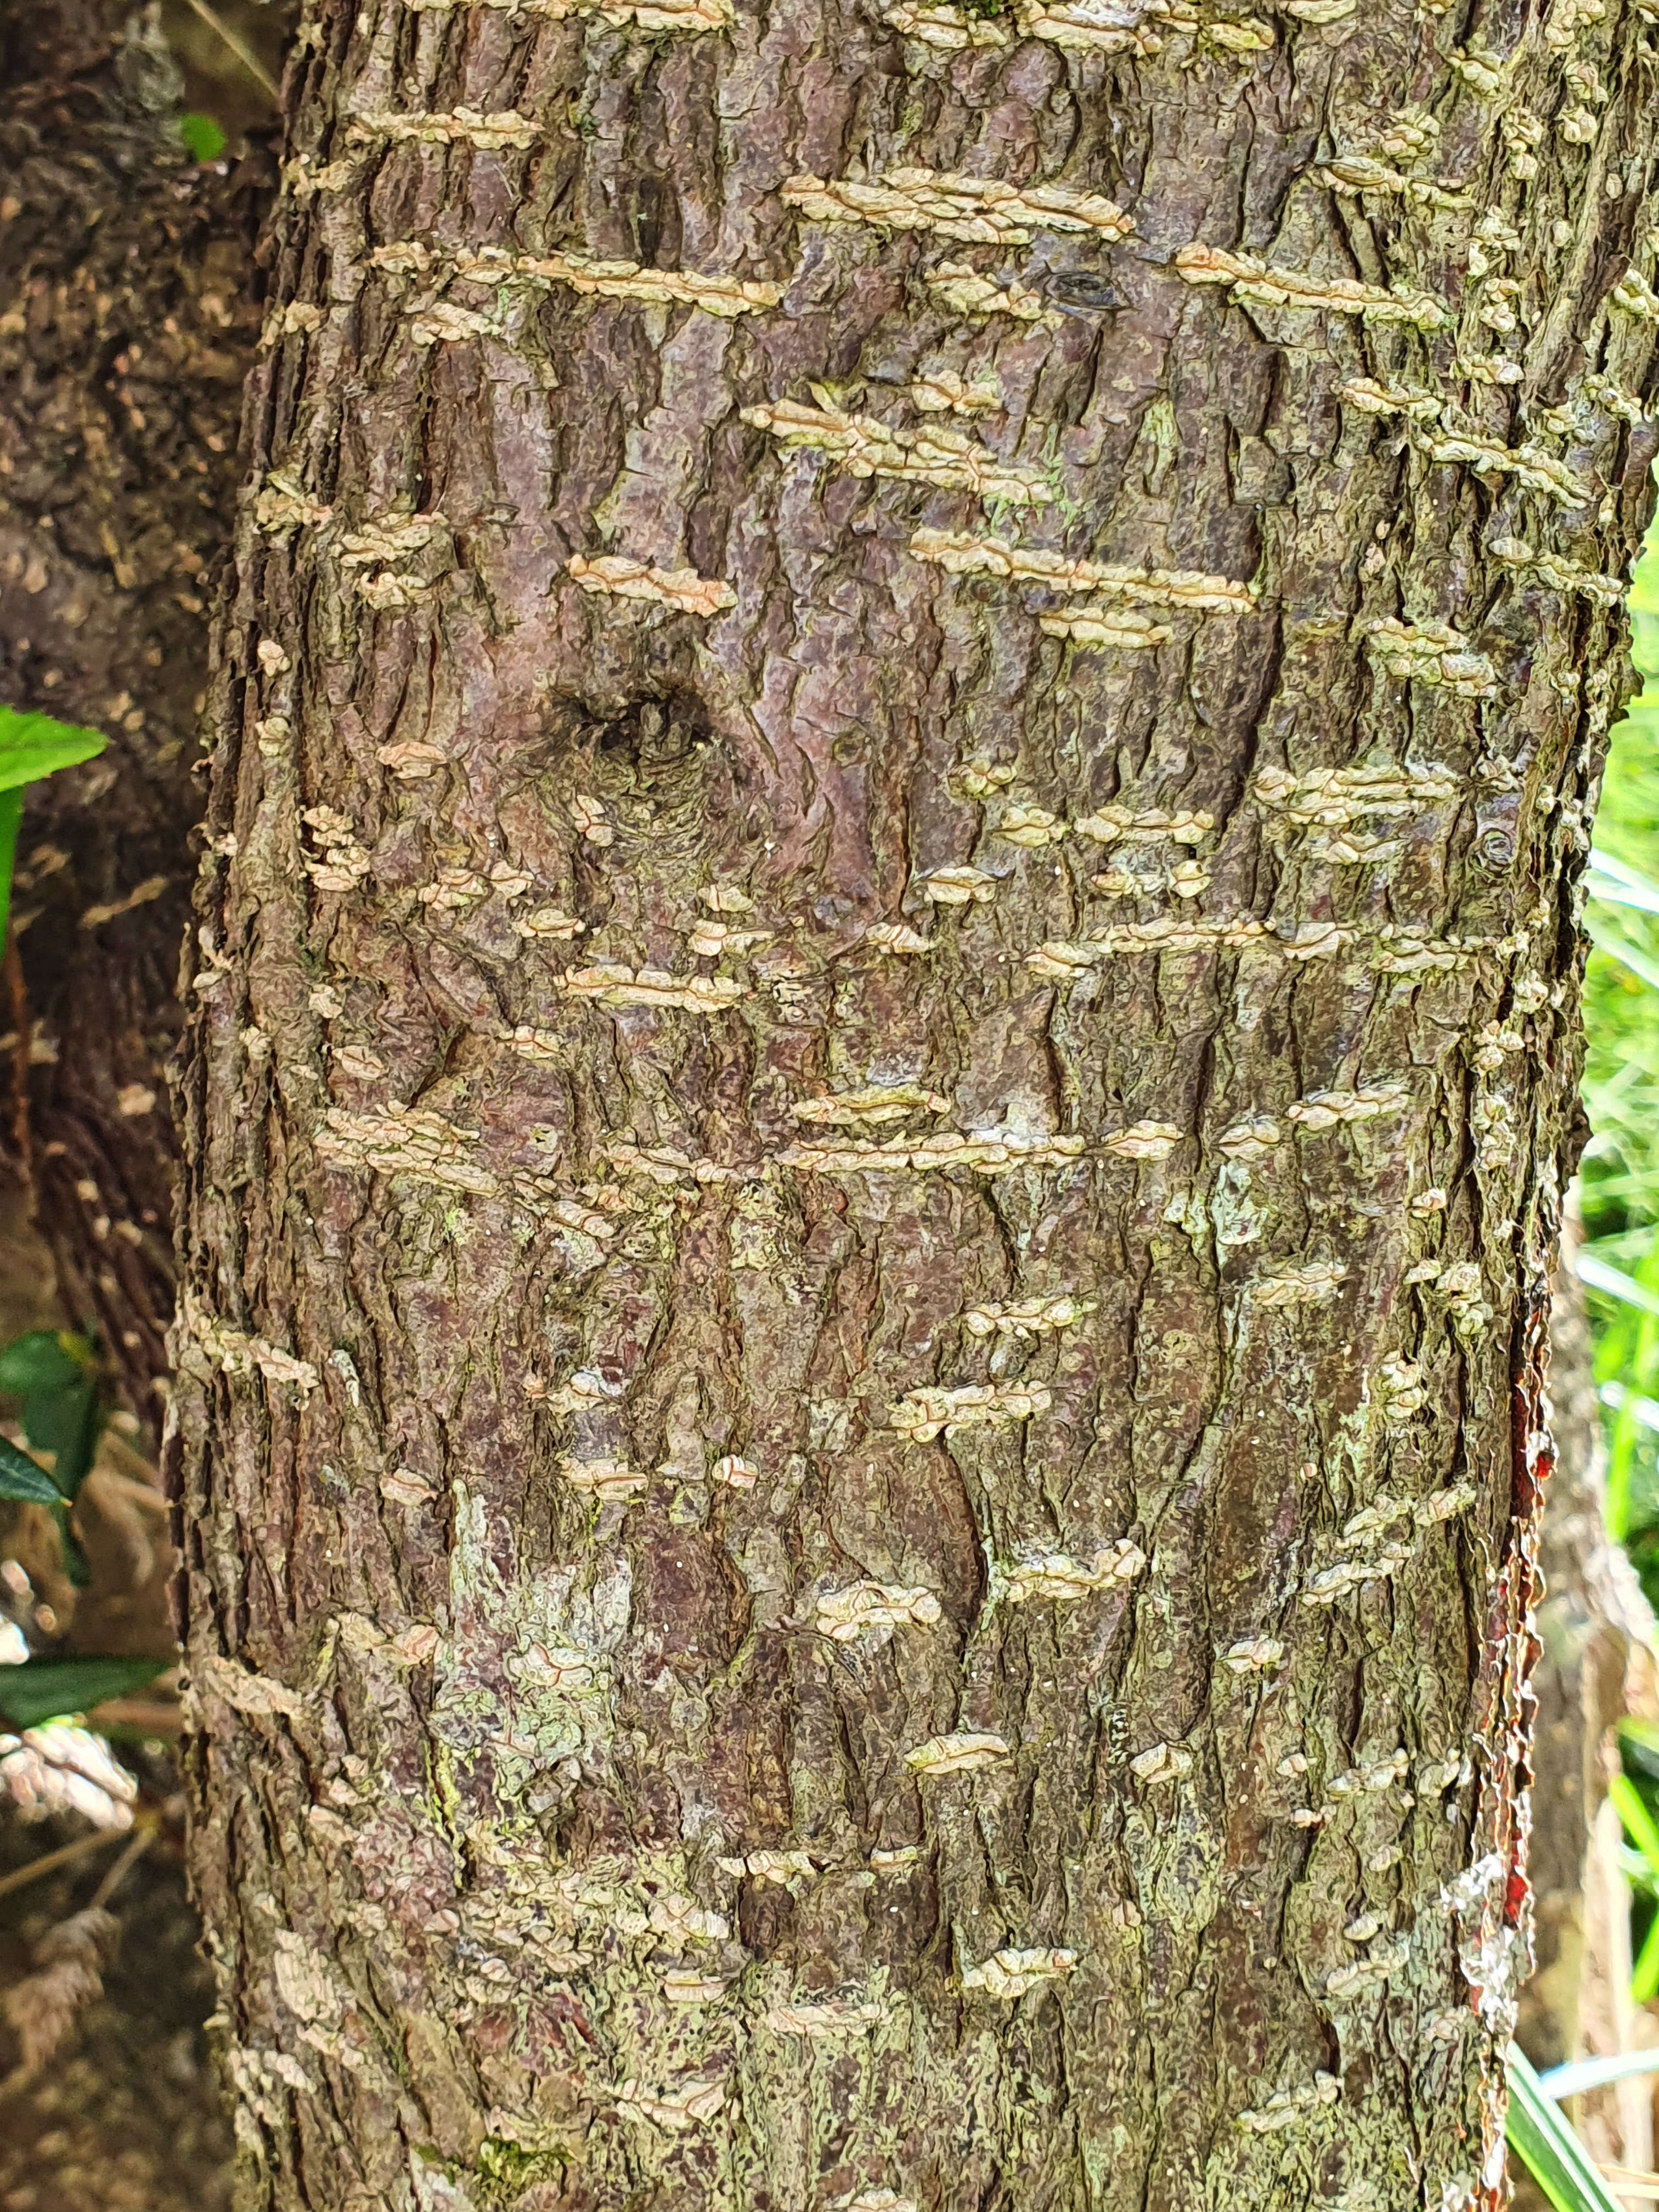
[(129, 308), (884, 1056)]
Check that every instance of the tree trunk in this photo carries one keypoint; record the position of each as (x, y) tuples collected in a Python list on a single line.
[(128, 312), (884, 1051), (129, 308)]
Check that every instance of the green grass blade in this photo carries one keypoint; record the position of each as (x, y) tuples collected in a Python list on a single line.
[(1552, 2155), (1617, 884), (1643, 1831), (1644, 1974), (1645, 1412), (1596, 1275), (1626, 954), (1621, 1445), (1604, 864), (1639, 1824)]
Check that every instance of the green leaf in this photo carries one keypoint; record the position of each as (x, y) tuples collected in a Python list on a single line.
[(44, 1359), (49, 1689), (1553, 2156), (34, 745), (203, 140), (55, 1376), (22, 1480), (66, 1422)]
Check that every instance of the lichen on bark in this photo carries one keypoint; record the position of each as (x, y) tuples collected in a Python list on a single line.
[(1158, 1836)]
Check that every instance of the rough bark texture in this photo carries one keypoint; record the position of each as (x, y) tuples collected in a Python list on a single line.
[(129, 306), (868, 1212)]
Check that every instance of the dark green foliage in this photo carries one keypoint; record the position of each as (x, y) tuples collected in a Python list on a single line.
[(54, 1374), (47, 1689), (23, 1481)]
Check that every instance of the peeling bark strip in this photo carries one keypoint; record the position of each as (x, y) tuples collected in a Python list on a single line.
[(982, 211), (1254, 281), (612, 280), (860, 1419), (649, 14), (1181, 588)]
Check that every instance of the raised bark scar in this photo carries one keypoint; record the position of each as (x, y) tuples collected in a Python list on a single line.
[(1556, 571), (1337, 798), (650, 14), (489, 130), (989, 1154), (1009, 1974), (865, 447), (941, 391), (969, 293), (1312, 1283), (611, 984), (1183, 590), (921, 1415), (1433, 653), (608, 1480), (960, 1753), (1450, 444), (1289, 2108), (834, 2016), (844, 1615), (979, 210), (682, 589), (406, 1140), (689, 2103), (1083, 26), (1353, 174), (1390, 950), (236, 1352), (1034, 1317), (870, 1105), (722, 296), (1036, 1573), (1254, 281)]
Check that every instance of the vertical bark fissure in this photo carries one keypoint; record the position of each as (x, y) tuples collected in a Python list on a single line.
[(879, 1091)]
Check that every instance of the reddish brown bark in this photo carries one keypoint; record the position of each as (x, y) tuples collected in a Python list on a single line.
[(867, 1231)]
